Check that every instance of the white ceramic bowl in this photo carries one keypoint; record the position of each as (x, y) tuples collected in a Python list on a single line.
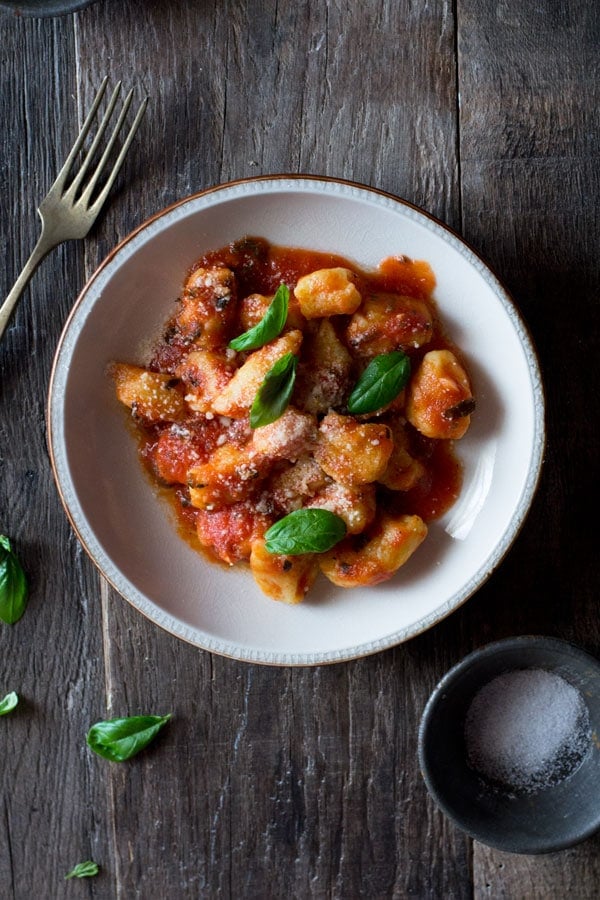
[(129, 531)]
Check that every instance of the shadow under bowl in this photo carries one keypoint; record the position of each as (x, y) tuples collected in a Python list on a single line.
[(549, 819)]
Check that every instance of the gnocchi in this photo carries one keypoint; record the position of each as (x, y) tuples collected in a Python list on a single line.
[(327, 292), (382, 473), (393, 541)]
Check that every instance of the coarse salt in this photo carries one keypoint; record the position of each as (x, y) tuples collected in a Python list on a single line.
[(527, 730)]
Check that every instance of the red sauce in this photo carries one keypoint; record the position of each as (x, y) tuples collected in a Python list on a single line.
[(260, 268), (436, 492)]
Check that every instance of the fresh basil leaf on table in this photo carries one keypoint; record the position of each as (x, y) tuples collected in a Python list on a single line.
[(269, 326), (13, 584), (8, 703), (274, 394), (85, 869), (380, 383), (305, 531), (120, 739)]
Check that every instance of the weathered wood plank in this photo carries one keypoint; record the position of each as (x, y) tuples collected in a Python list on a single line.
[(503, 876), (54, 807), (529, 147), (277, 782), (281, 782)]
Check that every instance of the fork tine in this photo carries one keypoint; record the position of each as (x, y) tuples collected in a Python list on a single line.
[(94, 208), (64, 172), (76, 183), (63, 216), (86, 194)]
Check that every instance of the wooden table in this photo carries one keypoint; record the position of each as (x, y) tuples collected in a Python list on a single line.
[(279, 782)]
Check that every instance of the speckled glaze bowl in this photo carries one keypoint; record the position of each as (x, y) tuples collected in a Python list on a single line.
[(550, 819), (43, 8)]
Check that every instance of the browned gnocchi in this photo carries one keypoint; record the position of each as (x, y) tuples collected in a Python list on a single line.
[(302, 414)]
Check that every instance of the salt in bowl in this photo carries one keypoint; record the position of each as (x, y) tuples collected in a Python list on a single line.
[(525, 813)]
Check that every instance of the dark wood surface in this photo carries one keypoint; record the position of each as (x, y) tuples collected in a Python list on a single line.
[(277, 782)]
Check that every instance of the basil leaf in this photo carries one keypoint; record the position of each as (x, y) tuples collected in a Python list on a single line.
[(84, 870), (13, 584), (380, 383), (274, 394), (120, 739), (269, 326), (8, 703), (305, 531)]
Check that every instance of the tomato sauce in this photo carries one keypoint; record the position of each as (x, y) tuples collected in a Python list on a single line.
[(260, 268), (439, 488)]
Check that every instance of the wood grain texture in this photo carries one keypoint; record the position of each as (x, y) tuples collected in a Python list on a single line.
[(53, 809), (281, 782), (529, 136)]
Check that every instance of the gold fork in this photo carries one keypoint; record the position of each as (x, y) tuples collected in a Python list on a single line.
[(69, 209)]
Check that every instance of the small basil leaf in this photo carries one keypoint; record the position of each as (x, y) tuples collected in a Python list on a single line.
[(120, 739), (13, 584), (380, 383), (269, 326), (8, 703), (84, 870), (274, 394), (305, 531)]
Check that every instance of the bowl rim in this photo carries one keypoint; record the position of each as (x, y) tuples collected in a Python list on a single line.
[(44, 9), (564, 649), (225, 648)]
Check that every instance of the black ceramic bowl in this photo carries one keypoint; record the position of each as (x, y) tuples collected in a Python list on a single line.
[(42, 8), (541, 821)]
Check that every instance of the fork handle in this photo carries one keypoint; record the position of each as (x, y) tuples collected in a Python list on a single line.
[(41, 249)]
